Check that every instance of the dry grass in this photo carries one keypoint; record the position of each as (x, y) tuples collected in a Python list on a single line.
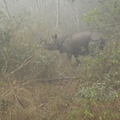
[(51, 101), (60, 90), (36, 101)]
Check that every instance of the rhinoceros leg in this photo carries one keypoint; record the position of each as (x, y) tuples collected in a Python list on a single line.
[(87, 50), (77, 60), (84, 51), (69, 56)]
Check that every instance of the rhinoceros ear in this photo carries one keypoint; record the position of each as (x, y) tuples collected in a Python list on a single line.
[(55, 36)]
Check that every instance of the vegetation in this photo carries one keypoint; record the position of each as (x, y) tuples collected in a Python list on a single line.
[(42, 85)]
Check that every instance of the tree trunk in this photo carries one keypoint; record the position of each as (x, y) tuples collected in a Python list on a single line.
[(57, 14)]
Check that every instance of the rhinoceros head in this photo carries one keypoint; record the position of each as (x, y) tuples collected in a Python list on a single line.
[(54, 45)]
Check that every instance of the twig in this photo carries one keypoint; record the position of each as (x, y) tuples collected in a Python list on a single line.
[(22, 65), (53, 79), (7, 8)]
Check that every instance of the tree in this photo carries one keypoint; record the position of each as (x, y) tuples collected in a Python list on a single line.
[(106, 17)]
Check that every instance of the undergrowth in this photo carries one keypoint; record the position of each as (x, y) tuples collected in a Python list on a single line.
[(42, 85), (29, 88)]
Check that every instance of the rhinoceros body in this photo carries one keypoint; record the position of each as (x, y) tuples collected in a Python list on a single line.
[(75, 44)]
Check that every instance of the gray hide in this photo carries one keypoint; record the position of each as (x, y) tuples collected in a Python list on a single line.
[(75, 44)]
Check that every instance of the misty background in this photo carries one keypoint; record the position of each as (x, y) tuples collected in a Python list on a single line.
[(49, 16)]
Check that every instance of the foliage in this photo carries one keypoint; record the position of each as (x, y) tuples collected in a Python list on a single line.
[(105, 17)]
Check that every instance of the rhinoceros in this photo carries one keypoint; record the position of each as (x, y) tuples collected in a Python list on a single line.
[(75, 44)]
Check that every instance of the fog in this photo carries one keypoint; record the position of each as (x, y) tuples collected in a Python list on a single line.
[(63, 14)]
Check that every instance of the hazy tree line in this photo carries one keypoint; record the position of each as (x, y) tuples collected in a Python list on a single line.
[(59, 16), (63, 14)]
